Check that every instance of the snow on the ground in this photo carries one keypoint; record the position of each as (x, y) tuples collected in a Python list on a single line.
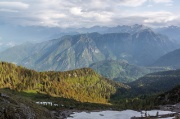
[(168, 118), (126, 114)]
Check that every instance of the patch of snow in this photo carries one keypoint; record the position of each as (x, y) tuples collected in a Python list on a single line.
[(44, 103), (126, 114), (168, 118)]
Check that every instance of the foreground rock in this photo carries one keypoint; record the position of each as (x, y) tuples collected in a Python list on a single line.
[(14, 107), (61, 114)]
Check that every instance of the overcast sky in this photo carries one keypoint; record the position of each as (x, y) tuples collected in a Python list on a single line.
[(87, 13)]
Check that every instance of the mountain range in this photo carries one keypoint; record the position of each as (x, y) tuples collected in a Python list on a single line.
[(78, 51), (173, 32), (14, 35)]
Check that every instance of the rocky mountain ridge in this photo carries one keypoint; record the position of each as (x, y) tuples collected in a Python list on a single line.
[(77, 51)]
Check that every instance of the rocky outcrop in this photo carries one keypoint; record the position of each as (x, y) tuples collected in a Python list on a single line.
[(13, 107)]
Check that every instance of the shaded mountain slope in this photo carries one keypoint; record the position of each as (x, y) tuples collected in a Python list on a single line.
[(169, 97), (170, 59), (173, 32), (155, 82), (120, 70), (148, 46)]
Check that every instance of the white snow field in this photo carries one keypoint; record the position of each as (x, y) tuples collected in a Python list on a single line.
[(126, 114)]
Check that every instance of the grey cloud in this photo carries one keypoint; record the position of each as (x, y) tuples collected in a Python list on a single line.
[(78, 13), (162, 1), (13, 5)]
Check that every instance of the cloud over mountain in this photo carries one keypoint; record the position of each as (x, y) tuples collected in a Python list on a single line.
[(87, 13)]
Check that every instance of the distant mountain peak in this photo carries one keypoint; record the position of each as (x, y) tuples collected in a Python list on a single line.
[(126, 29), (172, 26), (145, 34), (173, 32), (146, 30), (139, 26)]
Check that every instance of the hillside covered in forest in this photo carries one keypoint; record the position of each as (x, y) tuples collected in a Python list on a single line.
[(83, 85), (122, 71), (84, 88), (155, 83), (169, 97)]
